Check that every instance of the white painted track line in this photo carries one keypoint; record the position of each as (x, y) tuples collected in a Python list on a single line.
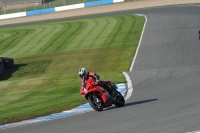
[(133, 62)]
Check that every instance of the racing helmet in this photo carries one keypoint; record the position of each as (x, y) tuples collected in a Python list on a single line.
[(83, 72)]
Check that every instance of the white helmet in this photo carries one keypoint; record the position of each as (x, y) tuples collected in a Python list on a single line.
[(82, 72)]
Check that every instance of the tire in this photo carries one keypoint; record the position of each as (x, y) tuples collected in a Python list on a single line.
[(96, 105), (120, 101)]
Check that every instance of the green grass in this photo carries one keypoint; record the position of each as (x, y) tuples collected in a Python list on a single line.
[(47, 58)]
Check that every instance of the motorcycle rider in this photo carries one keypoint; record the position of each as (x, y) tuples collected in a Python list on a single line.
[(93, 79)]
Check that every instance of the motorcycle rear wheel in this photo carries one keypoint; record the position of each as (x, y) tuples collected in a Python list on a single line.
[(120, 101), (96, 102)]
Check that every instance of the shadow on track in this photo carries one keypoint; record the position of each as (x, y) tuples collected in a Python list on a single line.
[(134, 103), (140, 102)]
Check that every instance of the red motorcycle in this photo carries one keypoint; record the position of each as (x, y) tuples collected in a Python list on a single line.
[(99, 98)]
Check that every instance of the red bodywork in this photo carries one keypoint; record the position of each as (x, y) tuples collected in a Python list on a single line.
[(91, 88)]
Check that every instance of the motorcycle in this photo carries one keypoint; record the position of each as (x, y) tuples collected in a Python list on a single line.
[(99, 98)]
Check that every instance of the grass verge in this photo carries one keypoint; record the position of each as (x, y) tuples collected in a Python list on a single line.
[(47, 58)]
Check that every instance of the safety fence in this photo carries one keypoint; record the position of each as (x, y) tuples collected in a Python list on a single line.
[(59, 8), (28, 5)]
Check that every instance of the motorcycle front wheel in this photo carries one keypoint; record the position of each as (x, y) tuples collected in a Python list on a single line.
[(119, 101), (96, 102)]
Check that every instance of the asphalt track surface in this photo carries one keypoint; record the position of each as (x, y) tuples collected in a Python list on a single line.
[(165, 79)]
